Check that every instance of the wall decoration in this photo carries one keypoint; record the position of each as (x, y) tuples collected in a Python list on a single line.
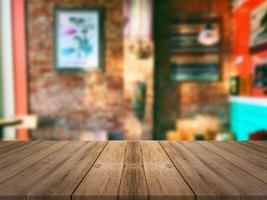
[(234, 85), (78, 39), (138, 27), (190, 60), (258, 23), (260, 76), (139, 100), (138, 19)]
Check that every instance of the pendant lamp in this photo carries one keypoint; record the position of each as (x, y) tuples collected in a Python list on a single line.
[(209, 35)]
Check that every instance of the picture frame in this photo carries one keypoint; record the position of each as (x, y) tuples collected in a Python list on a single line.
[(260, 76), (234, 85), (258, 29), (78, 39)]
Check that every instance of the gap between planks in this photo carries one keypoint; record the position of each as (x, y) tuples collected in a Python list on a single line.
[(245, 165)]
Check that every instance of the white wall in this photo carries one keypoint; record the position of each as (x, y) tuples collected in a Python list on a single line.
[(7, 63)]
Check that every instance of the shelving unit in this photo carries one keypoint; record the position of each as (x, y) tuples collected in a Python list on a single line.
[(190, 60)]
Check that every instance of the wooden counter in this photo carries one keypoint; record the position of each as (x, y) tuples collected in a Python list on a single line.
[(133, 170)]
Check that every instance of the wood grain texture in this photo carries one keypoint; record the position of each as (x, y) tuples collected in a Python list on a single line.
[(242, 182), (261, 151), (163, 180), (262, 144), (15, 147), (244, 152), (133, 182), (19, 186), (198, 175), (133, 171), (247, 166), (63, 181), (19, 166), (9, 146), (103, 180), (21, 152), (7, 143)]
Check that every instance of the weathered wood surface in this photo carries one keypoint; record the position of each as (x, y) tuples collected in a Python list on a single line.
[(133, 170)]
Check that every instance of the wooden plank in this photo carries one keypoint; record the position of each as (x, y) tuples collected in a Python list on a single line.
[(62, 182), (261, 151), (7, 147), (247, 166), (245, 184), (16, 147), (132, 170), (19, 186), (103, 180), (251, 147), (244, 153), (198, 175), (262, 144), (21, 152), (7, 143), (21, 165), (133, 182), (163, 179)]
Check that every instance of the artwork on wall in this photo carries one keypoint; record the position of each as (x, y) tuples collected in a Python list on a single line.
[(190, 60), (139, 100), (138, 27), (79, 39), (234, 85), (258, 24), (260, 76)]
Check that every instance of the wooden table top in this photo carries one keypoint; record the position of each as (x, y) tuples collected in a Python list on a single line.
[(133, 170)]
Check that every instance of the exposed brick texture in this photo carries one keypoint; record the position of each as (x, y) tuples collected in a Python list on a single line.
[(78, 102)]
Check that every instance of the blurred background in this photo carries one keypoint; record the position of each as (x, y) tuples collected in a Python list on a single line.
[(133, 70)]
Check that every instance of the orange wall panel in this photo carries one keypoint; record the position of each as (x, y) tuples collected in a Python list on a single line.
[(20, 61), (241, 43)]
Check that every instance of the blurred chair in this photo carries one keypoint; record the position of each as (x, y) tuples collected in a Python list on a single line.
[(28, 122), (260, 135)]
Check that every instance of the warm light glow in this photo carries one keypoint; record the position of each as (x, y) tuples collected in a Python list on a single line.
[(209, 37)]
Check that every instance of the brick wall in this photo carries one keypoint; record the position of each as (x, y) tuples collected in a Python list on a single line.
[(76, 102)]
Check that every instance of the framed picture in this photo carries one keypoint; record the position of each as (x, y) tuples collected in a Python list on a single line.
[(79, 39), (234, 85), (258, 25), (260, 76)]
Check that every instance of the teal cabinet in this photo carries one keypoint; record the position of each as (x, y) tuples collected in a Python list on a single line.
[(247, 117)]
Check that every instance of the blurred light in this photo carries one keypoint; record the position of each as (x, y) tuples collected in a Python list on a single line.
[(209, 36)]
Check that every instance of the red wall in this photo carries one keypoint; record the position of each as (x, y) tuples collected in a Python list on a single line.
[(20, 66), (241, 43)]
